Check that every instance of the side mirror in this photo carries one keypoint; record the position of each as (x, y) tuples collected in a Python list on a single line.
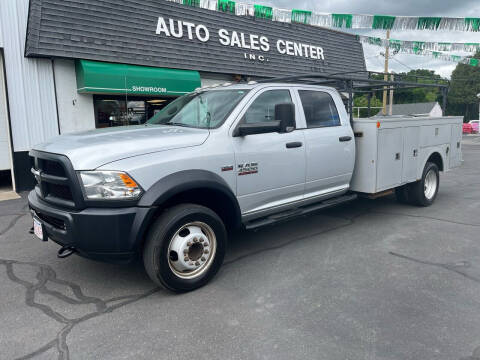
[(258, 128), (285, 113)]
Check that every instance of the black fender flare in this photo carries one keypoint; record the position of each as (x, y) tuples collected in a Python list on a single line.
[(176, 183)]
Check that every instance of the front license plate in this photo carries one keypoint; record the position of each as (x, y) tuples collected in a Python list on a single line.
[(38, 228)]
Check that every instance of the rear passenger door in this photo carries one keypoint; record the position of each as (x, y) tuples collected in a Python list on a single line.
[(330, 146)]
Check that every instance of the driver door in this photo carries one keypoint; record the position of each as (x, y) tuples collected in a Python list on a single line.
[(270, 168)]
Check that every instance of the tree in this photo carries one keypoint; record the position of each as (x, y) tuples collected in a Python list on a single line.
[(464, 87), (418, 95), (362, 101), (405, 96)]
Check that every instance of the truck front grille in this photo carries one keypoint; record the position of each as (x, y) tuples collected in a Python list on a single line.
[(56, 180)]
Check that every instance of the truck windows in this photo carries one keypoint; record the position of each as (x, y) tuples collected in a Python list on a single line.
[(204, 110), (319, 109), (263, 108)]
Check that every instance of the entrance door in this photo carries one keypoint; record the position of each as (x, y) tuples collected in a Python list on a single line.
[(270, 167)]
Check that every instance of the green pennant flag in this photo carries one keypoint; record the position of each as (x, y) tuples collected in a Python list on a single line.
[(396, 44), (383, 22), (475, 45), (264, 12), (456, 58), (194, 3), (418, 46), (342, 20), (301, 16), (473, 23), (429, 23), (474, 62), (375, 41), (226, 6)]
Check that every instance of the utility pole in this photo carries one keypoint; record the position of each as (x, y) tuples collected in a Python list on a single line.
[(478, 95), (390, 107), (385, 76)]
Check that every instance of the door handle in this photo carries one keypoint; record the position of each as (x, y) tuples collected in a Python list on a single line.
[(345, 138), (295, 144)]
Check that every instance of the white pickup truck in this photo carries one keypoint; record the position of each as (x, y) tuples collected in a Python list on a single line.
[(237, 156)]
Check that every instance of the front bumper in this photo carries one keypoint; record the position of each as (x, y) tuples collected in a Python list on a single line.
[(105, 234)]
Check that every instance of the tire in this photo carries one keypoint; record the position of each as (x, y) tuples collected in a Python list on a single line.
[(402, 194), (421, 192), (197, 236)]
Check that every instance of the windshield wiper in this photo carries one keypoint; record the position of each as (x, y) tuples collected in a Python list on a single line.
[(177, 124)]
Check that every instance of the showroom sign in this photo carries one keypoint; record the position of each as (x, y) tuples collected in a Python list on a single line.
[(200, 32)]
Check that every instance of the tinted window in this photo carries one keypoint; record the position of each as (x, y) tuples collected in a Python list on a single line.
[(319, 109), (263, 108)]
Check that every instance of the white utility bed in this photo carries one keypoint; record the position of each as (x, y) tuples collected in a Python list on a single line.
[(393, 150)]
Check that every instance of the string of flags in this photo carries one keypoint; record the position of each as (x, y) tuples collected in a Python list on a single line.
[(356, 21), (434, 49), (341, 21)]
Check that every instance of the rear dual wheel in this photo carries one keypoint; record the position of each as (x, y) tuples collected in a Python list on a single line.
[(185, 247), (424, 191)]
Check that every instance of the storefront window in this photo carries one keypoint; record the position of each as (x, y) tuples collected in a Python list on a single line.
[(120, 110)]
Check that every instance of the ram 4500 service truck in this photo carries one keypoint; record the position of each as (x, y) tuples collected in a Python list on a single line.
[(224, 158)]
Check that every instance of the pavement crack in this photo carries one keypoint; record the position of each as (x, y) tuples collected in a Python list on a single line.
[(45, 275), (457, 267), (12, 222)]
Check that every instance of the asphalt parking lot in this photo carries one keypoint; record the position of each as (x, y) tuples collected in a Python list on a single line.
[(372, 279)]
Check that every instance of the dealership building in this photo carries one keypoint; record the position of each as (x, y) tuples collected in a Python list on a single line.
[(75, 65)]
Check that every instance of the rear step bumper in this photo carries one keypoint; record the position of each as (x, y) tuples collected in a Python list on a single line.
[(299, 211)]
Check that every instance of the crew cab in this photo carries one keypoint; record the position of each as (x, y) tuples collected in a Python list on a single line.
[(225, 158)]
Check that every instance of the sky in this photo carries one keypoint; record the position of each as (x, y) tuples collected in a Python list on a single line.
[(400, 62)]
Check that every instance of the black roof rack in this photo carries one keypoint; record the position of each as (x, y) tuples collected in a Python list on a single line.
[(354, 82)]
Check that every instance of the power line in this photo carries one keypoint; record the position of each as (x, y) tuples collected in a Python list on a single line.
[(401, 63)]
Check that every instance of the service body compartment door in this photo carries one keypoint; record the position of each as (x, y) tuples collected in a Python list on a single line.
[(434, 135), (389, 158), (456, 146), (411, 148)]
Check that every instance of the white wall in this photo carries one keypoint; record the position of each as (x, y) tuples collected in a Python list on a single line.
[(5, 153), (208, 79), (31, 95), (436, 111), (75, 111), (1, 35)]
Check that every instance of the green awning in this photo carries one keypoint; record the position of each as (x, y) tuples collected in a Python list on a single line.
[(106, 78)]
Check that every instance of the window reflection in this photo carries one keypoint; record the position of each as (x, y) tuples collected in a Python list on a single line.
[(121, 111)]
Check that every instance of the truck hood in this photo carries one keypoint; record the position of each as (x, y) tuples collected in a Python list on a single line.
[(90, 149)]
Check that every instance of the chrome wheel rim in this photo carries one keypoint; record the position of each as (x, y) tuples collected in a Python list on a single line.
[(430, 185), (191, 250)]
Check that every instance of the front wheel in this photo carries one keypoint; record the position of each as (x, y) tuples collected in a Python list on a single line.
[(424, 191), (185, 247)]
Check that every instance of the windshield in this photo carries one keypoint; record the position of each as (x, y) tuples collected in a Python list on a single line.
[(206, 110)]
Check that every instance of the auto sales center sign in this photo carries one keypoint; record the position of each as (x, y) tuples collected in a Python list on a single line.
[(248, 42), (170, 35)]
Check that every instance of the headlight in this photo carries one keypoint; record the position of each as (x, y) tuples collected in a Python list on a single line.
[(109, 185)]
